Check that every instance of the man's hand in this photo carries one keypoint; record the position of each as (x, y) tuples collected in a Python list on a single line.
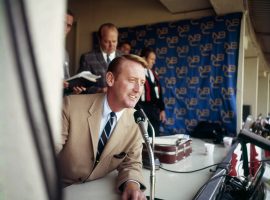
[(75, 90), (66, 84), (132, 192), (162, 116), (78, 89)]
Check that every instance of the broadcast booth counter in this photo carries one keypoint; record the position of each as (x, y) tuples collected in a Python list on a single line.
[(169, 185)]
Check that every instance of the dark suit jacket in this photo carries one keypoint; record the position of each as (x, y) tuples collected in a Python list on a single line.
[(95, 63), (77, 151), (149, 95), (150, 103)]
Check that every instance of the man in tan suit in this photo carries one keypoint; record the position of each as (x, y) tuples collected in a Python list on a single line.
[(84, 117)]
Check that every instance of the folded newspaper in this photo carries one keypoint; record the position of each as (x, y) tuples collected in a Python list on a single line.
[(84, 78), (171, 139)]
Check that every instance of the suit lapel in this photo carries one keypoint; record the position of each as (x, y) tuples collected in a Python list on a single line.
[(94, 121), (100, 58)]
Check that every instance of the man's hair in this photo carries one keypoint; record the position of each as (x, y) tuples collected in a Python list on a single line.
[(115, 65), (146, 51), (106, 25), (69, 12)]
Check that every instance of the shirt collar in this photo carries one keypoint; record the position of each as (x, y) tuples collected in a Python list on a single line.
[(111, 56), (107, 110)]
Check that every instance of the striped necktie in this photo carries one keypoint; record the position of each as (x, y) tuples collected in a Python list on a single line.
[(105, 135)]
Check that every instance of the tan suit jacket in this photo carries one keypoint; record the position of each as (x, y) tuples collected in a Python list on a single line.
[(81, 118)]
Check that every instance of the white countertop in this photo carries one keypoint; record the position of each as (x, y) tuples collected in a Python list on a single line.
[(169, 186)]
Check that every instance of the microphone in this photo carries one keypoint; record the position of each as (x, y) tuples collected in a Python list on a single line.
[(151, 129), (140, 120), (246, 136), (249, 137), (248, 123), (148, 128), (142, 117)]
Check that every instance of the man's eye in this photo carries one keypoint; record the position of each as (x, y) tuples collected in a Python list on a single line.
[(132, 80)]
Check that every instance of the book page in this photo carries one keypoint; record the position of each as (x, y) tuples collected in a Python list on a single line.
[(86, 75)]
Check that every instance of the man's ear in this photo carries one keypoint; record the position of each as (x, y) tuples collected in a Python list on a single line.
[(110, 79)]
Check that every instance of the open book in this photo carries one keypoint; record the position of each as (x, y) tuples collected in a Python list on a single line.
[(84, 78)]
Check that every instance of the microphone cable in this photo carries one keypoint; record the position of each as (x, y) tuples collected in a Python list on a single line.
[(219, 166), (200, 169)]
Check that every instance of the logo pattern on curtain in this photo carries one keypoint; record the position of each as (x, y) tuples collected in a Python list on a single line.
[(197, 65)]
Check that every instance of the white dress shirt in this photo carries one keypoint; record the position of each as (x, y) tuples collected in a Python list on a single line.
[(111, 56)]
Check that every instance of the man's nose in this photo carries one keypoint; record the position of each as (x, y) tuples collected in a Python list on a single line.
[(137, 86)]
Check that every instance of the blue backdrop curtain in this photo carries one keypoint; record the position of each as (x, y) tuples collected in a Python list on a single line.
[(197, 65)]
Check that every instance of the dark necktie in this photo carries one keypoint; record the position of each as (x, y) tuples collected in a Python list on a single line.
[(108, 59), (105, 135), (148, 74)]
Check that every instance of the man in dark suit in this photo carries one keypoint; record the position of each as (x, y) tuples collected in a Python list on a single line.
[(77, 89), (84, 118), (151, 100), (98, 60)]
